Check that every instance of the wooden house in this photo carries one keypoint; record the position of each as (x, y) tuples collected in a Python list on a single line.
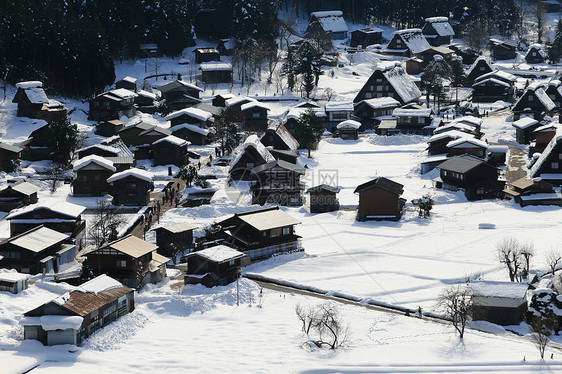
[(349, 129), (109, 128), (285, 155), (541, 137), (477, 178), (226, 47), (206, 55), (502, 303), (34, 103), (370, 112), (214, 266), (252, 154), (128, 83), (407, 43), (192, 133), (130, 260), (142, 133), (293, 115), (502, 50), (469, 146), (18, 195), (149, 50), (261, 233), (554, 91), (235, 106), (437, 143), (414, 65), (220, 99), (277, 182), (535, 54), (35, 147), (438, 31), (99, 149), (526, 191), (390, 81), (194, 116), (131, 187), (73, 317), (467, 54), (91, 176), (497, 154), (178, 236), (9, 157), (323, 198), (278, 137), (379, 199), (336, 112), (330, 22), (216, 72), (474, 122), (13, 282), (170, 150), (112, 105), (480, 67), (38, 250), (180, 94), (146, 102), (60, 216), (413, 121), (254, 116), (549, 164), (366, 37), (524, 128), (494, 86), (534, 102)]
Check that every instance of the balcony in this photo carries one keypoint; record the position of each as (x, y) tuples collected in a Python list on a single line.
[(268, 251)]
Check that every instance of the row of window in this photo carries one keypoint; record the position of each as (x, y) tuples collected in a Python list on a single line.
[(453, 174), (369, 95)]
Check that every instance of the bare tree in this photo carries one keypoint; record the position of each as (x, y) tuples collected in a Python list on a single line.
[(476, 33), (456, 303), (106, 222), (329, 94), (553, 258), (286, 30), (527, 251), (509, 254), (141, 272), (326, 322), (541, 330)]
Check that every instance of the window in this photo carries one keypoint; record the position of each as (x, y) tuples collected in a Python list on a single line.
[(372, 88), (421, 120), (534, 54), (445, 173), (379, 88), (552, 96), (121, 263), (97, 177), (368, 95), (482, 68), (256, 115), (131, 186), (286, 230), (554, 165), (379, 80), (531, 98), (250, 165), (81, 178), (275, 232), (560, 156), (231, 262), (480, 191)]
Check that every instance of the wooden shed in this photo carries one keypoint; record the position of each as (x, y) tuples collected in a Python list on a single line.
[(323, 198), (131, 187), (18, 195), (214, 266), (179, 235), (366, 37), (13, 282), (206, 55), (91, 176), (379, 199), (503, 303), (170, 150), (216, 72), (9, 157)]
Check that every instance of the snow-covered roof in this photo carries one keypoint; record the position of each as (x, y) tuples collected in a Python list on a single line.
[(180, 82), (190, 127), (196, 113), (134, 172), (12, 276), (99, 284), (499, 289), (553, 126), (123, 93), (422, 112), (38, 239), (211, 66), (454, 126), (25, 188), (36, 95), (62, 207), (172, 140), (29, 84), (237, 100), (493, 80), (150, 95), (467, 143), (339, 106), (381, 102), (103, 162), (468, 119), (544, 155), (402, 83), (268, 219), (525, 122), (287, 138), (540, 94), (53, 322), (129, 79), (498, 148), (219, 253), (499, 74), (349, 124), (100, 146), (538, 47), (414, 40), (296, 112), (331, 20), (441, 26), (252, 141), (454, 134), (476, 62), (254, 104)]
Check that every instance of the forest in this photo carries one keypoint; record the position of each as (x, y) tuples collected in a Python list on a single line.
[(71, 45)]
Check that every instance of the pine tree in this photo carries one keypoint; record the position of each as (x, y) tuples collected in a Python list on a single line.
[(62, 138), (554, 50), (309, 129)]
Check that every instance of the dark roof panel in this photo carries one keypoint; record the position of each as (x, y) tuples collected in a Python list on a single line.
[(381, 182)]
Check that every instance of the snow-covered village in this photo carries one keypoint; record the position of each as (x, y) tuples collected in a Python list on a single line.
[(280, 186)]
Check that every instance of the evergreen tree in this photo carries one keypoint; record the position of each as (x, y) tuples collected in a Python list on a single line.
[(62, 138), (308, 65), (309, 129), (554, 50)]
